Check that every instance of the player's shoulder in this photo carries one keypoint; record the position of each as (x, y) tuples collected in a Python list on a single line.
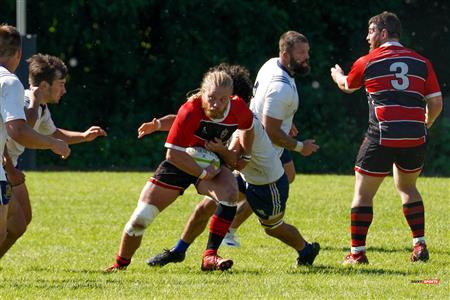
[(8, 79)]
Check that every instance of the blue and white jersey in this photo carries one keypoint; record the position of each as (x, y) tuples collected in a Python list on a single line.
[(44, 125), (264, 167), (275, 95), (11, 105)]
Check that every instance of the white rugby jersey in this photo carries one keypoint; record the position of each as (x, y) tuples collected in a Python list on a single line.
[(264, 167), (44, 125), (275, 95), (11, 105)]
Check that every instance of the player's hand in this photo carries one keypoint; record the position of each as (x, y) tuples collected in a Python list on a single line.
[(335, 71), (215, 146), (15, 177), (92, 133), (309, 147), (148, 128), (61, 148), (240, 164), (293, 132), (211, 171)]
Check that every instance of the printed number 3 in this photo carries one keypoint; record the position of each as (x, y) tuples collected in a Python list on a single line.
[(401, 72)]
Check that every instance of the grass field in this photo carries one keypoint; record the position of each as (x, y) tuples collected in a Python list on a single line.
[(78, 219)]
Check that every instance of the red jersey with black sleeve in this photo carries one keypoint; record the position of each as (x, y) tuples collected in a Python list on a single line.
[(193, 128), (398, 82)]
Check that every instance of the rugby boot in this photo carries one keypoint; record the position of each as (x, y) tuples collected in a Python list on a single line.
[(215, 262), (420, 252), (309, 258), (356, 259), (165, 257)]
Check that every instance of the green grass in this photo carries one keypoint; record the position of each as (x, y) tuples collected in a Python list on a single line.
[(78, 219)]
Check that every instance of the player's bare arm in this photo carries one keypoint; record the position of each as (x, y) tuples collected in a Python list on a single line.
[(76, 137), (280, 138), (183, 161), (433, 110), (31, 112), (161, 124), (340, 79), (19, 131)]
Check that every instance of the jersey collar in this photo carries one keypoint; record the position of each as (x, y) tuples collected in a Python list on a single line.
[(391, 43), (283, 68)]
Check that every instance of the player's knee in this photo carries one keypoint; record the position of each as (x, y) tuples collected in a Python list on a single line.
[(205, 210), (270, 227), (141, 218), (230, 197), (290, 177)]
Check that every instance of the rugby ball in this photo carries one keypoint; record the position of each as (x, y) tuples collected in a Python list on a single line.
[(203, 157)]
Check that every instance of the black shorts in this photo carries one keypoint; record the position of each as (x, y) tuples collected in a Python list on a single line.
[(286, 156), (267, 201), (376, 160), (170, 177)]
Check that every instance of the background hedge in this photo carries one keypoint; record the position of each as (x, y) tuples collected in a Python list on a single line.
[(130, 61)]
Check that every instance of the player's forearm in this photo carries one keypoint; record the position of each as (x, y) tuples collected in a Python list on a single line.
[(281, 139), (184, 162), (19, 131), (166, 122), (70, 137), (434, 108)]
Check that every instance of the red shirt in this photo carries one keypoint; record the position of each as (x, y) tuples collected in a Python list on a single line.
[(193, 128), (397, 81)]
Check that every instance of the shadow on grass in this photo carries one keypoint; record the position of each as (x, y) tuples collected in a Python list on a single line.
[(385, 250)]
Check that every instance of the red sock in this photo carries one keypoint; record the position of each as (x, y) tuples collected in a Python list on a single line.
[(361, 219), (415, 216), (122, 262)]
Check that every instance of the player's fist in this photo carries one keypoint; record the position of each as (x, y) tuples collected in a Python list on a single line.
[(309, 147), (61, 148)]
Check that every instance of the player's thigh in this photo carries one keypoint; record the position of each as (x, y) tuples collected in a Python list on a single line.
[(158, 196), (223, 187), (20, 192), (405, 181), (366, 187), (17, 223)]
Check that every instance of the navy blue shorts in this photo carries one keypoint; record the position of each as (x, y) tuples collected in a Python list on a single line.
[(376, 160), (5, 192), (267, 201), (286, 156)]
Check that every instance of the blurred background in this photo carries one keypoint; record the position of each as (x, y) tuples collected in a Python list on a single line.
[(132, 60)]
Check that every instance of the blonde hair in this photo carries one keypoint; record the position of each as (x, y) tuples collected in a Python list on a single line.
[(214, 78)]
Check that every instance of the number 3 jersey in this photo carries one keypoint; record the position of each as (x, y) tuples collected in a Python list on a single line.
[(398, 82)]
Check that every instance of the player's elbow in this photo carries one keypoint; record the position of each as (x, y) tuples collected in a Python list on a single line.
[(15, 129)]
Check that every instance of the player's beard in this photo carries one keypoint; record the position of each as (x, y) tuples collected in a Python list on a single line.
[(302, 69)]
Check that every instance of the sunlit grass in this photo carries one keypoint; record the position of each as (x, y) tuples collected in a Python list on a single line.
[(78, 219)]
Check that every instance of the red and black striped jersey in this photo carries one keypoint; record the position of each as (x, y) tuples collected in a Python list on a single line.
[(398, 81), (193, 128)]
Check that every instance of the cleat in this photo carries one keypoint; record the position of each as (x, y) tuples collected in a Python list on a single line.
[(231, 240), (167, 256), (356, 259), (420, 253), (115, 268), (310, 257), (215, 262)]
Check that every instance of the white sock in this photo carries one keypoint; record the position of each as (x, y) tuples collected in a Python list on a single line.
[(356, 250), (232, 231), (419, 240)]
